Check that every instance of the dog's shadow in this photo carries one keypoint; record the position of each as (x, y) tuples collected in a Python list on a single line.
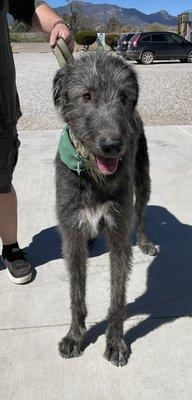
[(168, 292)]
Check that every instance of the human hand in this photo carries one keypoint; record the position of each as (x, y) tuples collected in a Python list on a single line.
[(61, 30)]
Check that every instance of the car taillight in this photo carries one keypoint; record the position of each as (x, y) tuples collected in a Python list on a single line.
[(134, 42)]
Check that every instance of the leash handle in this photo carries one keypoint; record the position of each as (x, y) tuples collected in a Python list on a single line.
[(62, 53)]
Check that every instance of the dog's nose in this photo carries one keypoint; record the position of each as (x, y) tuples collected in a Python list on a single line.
[(111, 146)]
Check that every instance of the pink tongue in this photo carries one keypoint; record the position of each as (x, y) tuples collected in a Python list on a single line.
[(107, 166)]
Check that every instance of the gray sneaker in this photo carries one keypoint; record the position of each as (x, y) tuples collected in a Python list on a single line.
[(19, 271)]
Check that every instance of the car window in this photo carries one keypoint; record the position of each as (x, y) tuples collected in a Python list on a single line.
[(123, 37), (145, 39), (128, 37), (174, 38), (158, 37)]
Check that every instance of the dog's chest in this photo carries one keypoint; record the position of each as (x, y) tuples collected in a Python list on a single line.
[(93, 218)]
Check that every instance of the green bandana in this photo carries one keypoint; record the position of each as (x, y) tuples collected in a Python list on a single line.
[(76, 157), (69, 154)]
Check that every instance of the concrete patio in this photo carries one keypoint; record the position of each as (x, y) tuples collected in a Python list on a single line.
[(34, 317)]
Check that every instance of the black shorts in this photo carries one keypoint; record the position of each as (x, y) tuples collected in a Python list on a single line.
[(9, 145)]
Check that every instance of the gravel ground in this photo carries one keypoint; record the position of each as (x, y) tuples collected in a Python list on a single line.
[(165, 92)]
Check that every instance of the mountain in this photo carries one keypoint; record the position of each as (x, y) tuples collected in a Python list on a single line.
[(127, 16)]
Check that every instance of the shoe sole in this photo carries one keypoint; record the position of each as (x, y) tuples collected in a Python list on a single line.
[(18, 281)]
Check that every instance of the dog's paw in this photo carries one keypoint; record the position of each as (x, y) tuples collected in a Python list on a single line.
[(148, 247), (118, 353), (69, 347)]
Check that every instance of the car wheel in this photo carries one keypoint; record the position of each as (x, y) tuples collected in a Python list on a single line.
[(189, 57), (147, 57)]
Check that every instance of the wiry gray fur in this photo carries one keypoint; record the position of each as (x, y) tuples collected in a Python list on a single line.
[(109, 116)]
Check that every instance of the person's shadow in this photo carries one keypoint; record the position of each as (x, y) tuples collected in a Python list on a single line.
[(46, 246)]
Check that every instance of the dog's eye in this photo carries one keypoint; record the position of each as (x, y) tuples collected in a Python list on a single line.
[(123, 98), (87, 96)]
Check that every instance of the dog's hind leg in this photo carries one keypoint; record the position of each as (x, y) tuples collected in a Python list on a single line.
[(120, 254), (75, 256), (142, 195)]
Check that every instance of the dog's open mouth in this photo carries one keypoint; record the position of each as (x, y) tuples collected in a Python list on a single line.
[(107, 166)]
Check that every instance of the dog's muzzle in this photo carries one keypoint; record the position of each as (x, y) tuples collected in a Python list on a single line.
[(111, 151)]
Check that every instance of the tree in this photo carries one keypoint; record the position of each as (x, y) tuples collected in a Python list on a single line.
[(157, 28), (130, 29), (76, 19), (75, 10), (113, 25), (19, 27)]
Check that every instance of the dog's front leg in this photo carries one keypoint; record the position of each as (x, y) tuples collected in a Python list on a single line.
[(120, 255), (75, 256)]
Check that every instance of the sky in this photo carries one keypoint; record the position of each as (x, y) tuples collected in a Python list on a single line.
[(174, 7)]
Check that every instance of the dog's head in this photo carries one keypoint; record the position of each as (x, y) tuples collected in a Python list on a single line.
[(96, 96)]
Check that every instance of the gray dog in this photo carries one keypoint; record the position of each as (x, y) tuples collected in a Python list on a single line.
[(102, 184)]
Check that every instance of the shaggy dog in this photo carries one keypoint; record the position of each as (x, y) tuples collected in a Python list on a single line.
[(97, 96)]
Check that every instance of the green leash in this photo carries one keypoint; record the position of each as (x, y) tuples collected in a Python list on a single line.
[(62, 53), (72, 152), (68, 152)]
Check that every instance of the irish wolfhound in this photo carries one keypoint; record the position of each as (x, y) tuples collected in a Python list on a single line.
[(105, 185)]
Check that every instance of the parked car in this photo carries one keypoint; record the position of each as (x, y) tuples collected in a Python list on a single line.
[(148, 46), (122, 43)]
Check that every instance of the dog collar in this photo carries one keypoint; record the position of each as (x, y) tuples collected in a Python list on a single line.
[(71, 152)]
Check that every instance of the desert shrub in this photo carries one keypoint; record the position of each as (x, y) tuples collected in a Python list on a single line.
[(19, 26)]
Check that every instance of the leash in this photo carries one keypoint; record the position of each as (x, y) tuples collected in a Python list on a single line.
[(72, 152), (62, 53)]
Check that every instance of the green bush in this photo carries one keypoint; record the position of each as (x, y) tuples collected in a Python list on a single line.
[(86, 38), (14, 37), (111, 40), (27, 38)]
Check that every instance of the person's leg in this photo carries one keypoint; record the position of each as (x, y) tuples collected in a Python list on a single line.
[(19, 270), (8, 217)]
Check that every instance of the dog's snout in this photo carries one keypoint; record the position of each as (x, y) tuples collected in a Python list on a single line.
[(111, 146)]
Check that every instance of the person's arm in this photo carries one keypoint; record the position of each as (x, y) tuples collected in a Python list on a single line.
[(46, 20), (38, 14)]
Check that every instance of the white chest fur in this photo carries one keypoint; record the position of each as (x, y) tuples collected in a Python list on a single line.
[(91, 217)]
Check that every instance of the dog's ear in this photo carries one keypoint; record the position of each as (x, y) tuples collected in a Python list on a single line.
[(135, 101), (132, 84), (60, 88), (135, 92)]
